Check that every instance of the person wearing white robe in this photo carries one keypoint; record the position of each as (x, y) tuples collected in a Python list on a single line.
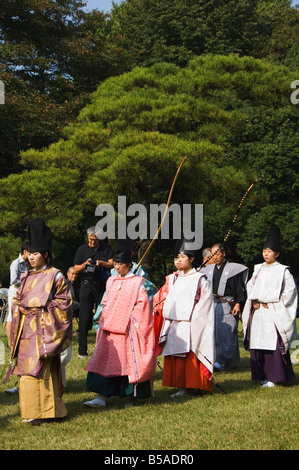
[(227, 282), (187, 335), (269, 318)]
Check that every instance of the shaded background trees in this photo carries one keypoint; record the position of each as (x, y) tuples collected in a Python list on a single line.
[(229, 116), (69, 144), (52, 58), (176, 31)]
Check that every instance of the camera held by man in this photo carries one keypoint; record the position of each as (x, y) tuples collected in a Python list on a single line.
[(90, 267)]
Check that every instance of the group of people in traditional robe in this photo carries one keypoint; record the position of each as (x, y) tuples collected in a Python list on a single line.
[(192, 321)]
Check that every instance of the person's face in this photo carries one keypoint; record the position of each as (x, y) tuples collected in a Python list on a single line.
[(219, 257), (37, 260), (71, 275), (270, 256), (122, 268), (93, 242), (25, 255), (176, 263), (183, 262)]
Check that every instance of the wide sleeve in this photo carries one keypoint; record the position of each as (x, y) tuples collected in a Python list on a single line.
[(141, 315), (284, 312), (57, 319), (202, 326), (289, 293), (142, 337), (158, 303)]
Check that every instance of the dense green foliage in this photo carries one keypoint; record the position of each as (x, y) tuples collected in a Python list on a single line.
[(54, 53), (52, 58), (231, 116), (99, 106), (216, 88), (177, 31)]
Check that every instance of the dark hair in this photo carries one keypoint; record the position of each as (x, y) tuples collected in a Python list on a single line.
[(185, 253), (24, 247)]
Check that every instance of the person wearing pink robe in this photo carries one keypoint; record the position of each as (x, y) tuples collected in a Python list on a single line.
[(124, 360)]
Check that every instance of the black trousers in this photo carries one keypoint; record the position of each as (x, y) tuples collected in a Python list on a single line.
[(90, 296)]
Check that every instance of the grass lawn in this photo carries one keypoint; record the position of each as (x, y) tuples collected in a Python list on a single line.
[(246, 418)]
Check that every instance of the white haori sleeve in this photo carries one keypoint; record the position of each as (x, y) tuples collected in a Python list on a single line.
[(202, 327), (285, 310)]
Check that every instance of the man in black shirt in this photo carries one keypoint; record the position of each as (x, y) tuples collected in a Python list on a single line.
[(92, 262)]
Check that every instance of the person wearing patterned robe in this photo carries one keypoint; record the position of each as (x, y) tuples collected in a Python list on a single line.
[(124, 360), (41, 329)]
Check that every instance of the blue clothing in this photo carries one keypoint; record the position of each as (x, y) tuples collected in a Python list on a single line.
[(17, 268)]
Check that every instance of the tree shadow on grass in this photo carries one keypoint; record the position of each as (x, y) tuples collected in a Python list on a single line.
[(228, 383)]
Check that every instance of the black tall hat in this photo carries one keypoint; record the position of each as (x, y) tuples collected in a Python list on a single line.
[(185, 247), (273, 238), (40, 237), (123, 251)]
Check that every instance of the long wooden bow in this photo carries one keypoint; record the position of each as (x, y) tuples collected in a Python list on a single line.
[(164, 215), (231, 228)]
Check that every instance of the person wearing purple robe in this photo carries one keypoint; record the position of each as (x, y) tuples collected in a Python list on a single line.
[(269, 317), (41, 329)]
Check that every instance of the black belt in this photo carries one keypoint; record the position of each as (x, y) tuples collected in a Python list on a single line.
[(86, 282)]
